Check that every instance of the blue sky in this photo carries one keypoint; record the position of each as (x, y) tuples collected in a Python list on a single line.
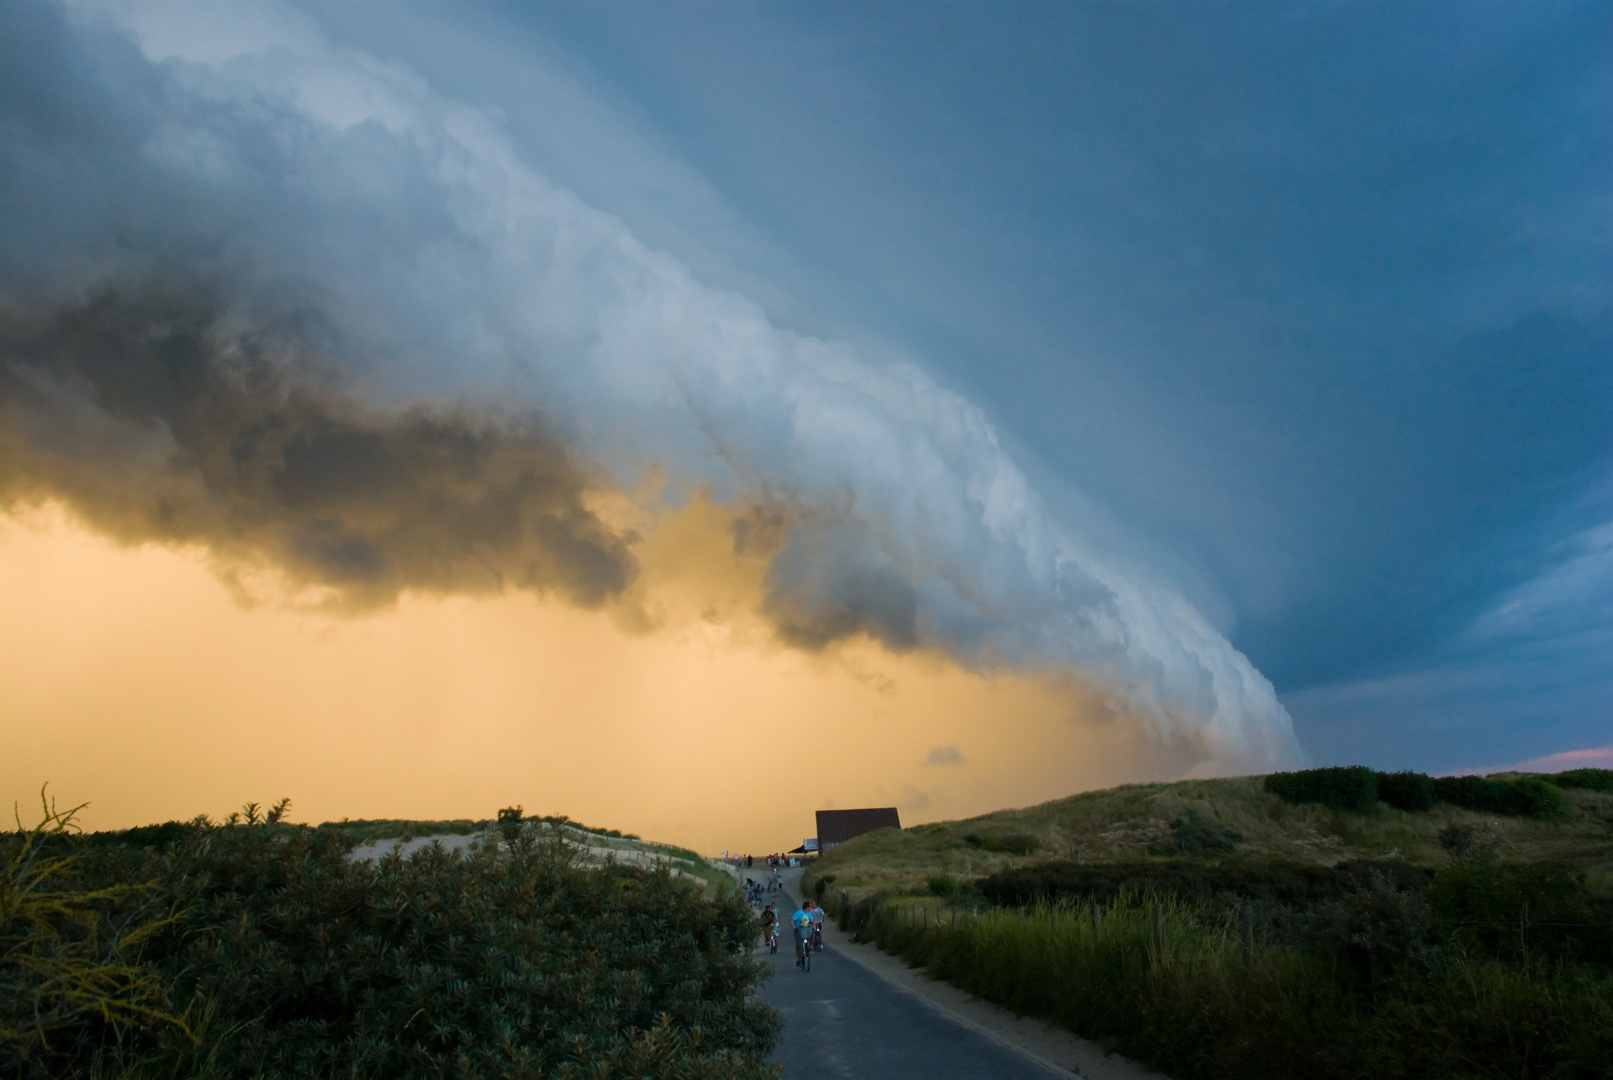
[(1316, 297), (1030, 320)]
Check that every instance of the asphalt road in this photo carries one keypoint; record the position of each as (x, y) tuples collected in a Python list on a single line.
[(843, 1021)]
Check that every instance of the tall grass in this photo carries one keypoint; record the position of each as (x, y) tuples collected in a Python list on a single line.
[(1166, 982)]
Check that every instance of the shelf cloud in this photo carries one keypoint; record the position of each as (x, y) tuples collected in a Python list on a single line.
[(283, 299), (155, 420)]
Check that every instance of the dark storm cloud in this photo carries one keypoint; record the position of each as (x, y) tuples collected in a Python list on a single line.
[(1316, 294), (252, 264), (158, 418)]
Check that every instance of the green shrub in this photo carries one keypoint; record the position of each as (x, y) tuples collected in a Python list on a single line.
[(1528, 796), (1586, 779), (943, 885), (149, 836), (1011, 844), (1510, 911), (1352, 787), (1290, 884), (516, 963), (70, 951), (1464, 840), (1379, 925), (1488, 1019), (1412, 792), (1192, 832)]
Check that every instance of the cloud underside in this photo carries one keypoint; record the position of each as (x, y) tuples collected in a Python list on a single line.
[(142, 411), (281, 300)]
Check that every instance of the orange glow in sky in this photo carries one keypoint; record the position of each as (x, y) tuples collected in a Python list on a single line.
[(134, 680)]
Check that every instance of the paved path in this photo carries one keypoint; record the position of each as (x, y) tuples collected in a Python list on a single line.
[(860, 1013), (843, 1021)]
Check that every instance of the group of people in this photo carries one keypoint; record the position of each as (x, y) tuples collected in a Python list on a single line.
[(774, 863), (754, 889), (807, 924)]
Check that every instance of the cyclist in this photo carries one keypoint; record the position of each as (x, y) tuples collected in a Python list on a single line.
[(817, 927), (803, 931), (770, 928)]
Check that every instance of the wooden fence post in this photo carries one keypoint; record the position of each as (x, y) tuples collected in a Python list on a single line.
[(1247, 919), (1159, 927)]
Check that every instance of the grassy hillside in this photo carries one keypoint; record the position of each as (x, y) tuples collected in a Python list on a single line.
[(1133, 823), (1217, 932)]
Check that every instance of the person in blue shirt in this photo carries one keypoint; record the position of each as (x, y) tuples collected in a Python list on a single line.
[(803, 931)]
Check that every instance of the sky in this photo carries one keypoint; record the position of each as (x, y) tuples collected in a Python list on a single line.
[(687, 423)]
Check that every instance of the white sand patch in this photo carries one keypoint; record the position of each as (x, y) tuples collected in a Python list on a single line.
[(591, 850)]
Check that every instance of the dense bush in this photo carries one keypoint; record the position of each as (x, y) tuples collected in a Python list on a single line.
[(1412, 792), (66, 951), (146, 836), (1515, 911), (1464, 840), (1359, 789), (1012, 843), (1587, 779), (1291, 884), (1352, 787), (1528, 796), (1192, 832), (1487, 1019), (292, 960)]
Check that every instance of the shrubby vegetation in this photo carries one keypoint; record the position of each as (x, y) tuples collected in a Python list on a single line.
[(1480, 970), (1192, 832), (1011, 843), (1433, 940), (1353, 787), (1292, 884), (1359, 789), (259, 949), (1584, 779), (1413, 792), (1528, 796)]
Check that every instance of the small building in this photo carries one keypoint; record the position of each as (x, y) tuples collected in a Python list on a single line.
[(838, 826)]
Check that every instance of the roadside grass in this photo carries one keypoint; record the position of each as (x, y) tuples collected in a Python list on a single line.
[(1433, 944), (1166, 982)]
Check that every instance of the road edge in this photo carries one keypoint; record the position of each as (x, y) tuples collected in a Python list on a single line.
[(1040, 1042)]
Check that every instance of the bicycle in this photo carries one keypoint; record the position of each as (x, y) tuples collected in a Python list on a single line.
[(803, 953)]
